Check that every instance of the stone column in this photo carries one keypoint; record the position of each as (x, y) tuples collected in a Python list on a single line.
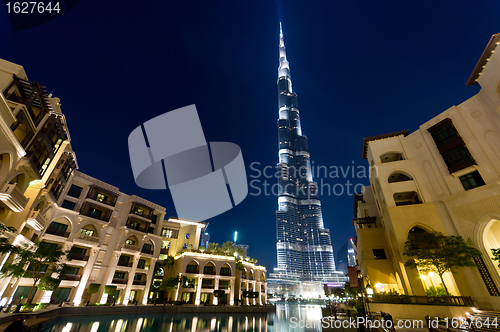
[(85, 275), (107, 280), (148, 280), (198, 291), (216, 286), (130, 282), (232, 289)]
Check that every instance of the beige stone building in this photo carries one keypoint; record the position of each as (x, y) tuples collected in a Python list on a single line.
[(114, 238), (443, 177)]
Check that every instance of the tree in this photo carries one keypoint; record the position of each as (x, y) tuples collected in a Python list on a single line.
[(239, 269), (34, 261), (496, 255), (438, 253), (169, 285)]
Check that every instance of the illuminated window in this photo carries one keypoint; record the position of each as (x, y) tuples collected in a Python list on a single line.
[(130, 242), (87, 232), (187, 236)]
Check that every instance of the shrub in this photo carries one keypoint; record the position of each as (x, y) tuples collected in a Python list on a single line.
[(435, 291), (94, 288), (109, 289)]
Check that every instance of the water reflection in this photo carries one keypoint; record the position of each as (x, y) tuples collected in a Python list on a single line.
[(287, 318)]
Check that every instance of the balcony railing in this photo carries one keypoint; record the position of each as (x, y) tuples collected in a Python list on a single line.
[(164, 251), (157, 277), (102, 217), (365, 220), (131, 247), (80, 257), (442, 300), (144, 267), (87, 237), (207, 286), (139, 228), (58, 232), (139, 282), (127, 264), (36, 220), (119, 281), (72, 277), (226, 274), (223, 287), (147, 251), (12, 196), (210, 272)]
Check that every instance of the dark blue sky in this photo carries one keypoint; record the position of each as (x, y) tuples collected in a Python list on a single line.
[(360, 68)]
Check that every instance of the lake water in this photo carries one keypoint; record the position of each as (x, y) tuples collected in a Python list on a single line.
[(287, 318)]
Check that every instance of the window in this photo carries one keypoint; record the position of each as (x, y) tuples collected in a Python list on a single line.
[(139, 212), (102, 198), (456, 156), (165, 244), (87, 232), (141, 264), (472, 180), (444, 134), (75, 191), (138, 276), (68, 205), (225, 271), (146, 248), (58, 226), (94, 213), (130, 242), (48, 245), (187, 236), (71, 270), (78, 251), (192, 269), (184, 246), (451, 146), (119, 275), (379, 253), (124, 259), (154, 217), (170, 233)]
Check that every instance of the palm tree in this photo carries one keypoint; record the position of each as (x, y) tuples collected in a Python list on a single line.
[(239, 269)]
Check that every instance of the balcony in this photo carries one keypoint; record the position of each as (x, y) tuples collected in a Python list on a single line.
[(131, 247), (207, 286), (144, 267), (88, 238), (164, 251), (80, 257), (36, 220), (126, 264), (58, 232), (365, 221), (119, 281), (138, 227), (223, 287), (147, 251), (71, 277), (101, 217), (139, 282), (13, 198), (102, 196)]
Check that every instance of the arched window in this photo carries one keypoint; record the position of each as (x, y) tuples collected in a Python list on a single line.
[(192, 267), (407, 198), (148, 248), (399, 177), (209, 268), (225, 270), (390, 157)]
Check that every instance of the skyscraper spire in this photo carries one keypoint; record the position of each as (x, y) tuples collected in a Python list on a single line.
[(284, 68), (304, 248)]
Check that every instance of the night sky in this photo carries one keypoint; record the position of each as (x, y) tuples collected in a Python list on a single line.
[(360, 68)]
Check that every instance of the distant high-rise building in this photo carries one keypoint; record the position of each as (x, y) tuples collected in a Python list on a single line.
[(205, 239), (305, 252), (243, 247), (345, 257)]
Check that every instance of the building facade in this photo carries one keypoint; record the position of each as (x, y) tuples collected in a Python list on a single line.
[(443, 177), (304, 249), (114, 239)]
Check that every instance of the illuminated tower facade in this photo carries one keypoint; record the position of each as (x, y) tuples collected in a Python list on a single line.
[(304, 246)]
